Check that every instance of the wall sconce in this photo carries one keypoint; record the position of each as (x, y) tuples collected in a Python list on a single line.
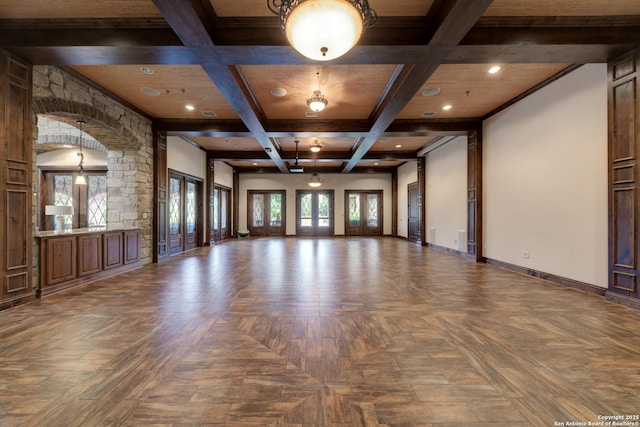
[(59, 212)]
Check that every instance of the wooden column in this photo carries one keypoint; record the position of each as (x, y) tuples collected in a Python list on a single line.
[(422, 207), (624, 178), (209, 235), (474, 195), (394, 203), (160, 176), (236, 204), (16, 123)]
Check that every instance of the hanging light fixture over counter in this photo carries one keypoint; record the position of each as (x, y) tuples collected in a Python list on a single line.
[(323, 30), (80, 179)]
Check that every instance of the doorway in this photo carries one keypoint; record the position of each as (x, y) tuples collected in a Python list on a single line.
[(314, 213), (220, 213), (266, 213), (363, 213), (185, 212)]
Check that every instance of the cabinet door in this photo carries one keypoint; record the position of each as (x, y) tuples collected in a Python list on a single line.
[(131, 246), (112, 250), (89, 254), (61, 260)]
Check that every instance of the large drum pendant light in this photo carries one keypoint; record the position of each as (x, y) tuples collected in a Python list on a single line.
[(323, 30)]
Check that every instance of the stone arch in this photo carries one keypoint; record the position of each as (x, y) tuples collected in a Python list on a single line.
[(107, 129)]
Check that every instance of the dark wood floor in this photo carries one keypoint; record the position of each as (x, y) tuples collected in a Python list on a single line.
[(303, 332)]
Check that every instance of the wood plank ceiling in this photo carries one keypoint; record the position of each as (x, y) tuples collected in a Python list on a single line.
[(229, 59)]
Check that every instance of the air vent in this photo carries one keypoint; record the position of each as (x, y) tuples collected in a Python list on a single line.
[(311, 114), (428, 114), (150, 91), (209, 113)]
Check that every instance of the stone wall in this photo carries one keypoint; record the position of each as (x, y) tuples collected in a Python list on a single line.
[(127, 136)]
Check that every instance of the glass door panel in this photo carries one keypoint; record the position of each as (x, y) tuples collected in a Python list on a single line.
[(175, 215), (191, 231)]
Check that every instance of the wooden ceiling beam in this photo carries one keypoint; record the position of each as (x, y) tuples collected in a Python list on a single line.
[(191, 22), (449, 21)]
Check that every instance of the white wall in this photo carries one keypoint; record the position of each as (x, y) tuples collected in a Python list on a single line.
[(223, 174), (337, 182), (185, 157), (407, 174), (446, 193), (545, 179)]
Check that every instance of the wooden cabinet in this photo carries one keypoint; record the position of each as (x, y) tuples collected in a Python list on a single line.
[(81, 256)]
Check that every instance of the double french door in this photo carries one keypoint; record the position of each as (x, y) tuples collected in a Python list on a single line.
[(185, 212), (266, 213), (363, 213), (314, 211)]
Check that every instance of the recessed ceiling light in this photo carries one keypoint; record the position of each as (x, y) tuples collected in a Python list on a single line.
[(431, 91), (146, 70), (189, 107), (278, 91), (376, 164), (254, 164), (398, 145), (150, 91), (447, 107), (494, 69)]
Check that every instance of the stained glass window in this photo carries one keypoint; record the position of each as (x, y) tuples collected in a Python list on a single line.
[(323, 210), (306, 212), (223, 209), (372, 210), (174, 206), (354, 210), (276, 210), (63, 195), (191, 207), (258, 210), (97, 201), (216, 209)]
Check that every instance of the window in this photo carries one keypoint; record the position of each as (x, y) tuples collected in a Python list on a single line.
[(89, 201)]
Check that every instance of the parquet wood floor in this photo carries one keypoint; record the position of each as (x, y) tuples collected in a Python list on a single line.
[(326, 332)]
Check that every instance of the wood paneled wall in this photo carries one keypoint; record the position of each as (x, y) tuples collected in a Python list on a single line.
[(15, 181), (624, 179), (161, 178), (474, 195)]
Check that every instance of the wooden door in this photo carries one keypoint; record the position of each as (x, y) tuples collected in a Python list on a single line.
[(220, 214), (363, 213), (176, 236), (266, 213), (414, 213), (314, 212)]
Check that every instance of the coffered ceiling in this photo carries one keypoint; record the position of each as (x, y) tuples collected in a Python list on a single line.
[(248, 88)]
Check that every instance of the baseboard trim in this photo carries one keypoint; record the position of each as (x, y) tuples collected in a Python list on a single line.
[(558, 280), (623, 300)]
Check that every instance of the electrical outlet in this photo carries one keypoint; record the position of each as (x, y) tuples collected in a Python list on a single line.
[(525, 254)]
